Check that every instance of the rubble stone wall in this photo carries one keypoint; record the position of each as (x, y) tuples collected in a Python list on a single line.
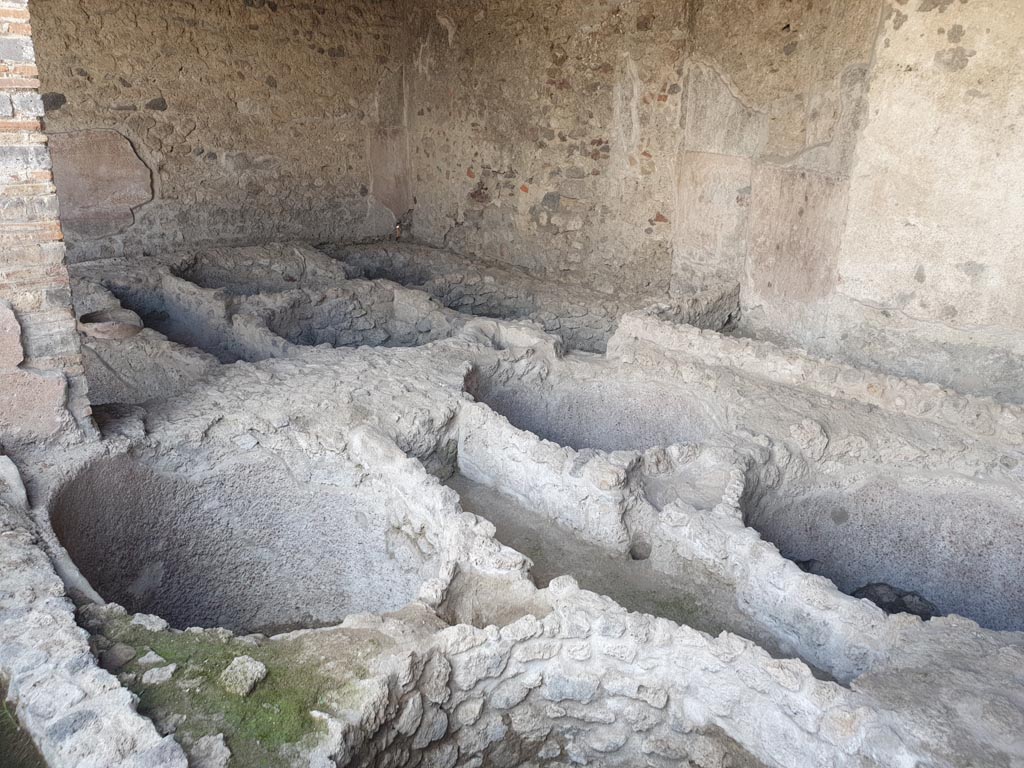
[(643, 146), (227, 121)]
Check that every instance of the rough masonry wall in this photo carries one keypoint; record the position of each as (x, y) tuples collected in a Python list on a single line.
[(640, 146), (852, 162), (230, 120), (42, 388), (856, 165)]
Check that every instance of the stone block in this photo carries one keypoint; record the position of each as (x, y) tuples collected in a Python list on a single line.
[(242, 675), (159, 675), (99, 180), (715, 120), (210, 752), (797, 219), (560, 685), (11, 353)]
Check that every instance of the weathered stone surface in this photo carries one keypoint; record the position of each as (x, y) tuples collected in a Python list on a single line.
[(242, 675), (159, 675), (10, 338), (715, 121), (390, 172), (151, 659), (564, 663), (796, 222), (563, 686), (100, 179), (713, 233), (411, 715), (75, 711), (32, 404), (47, 398), (240, 142), (709, 446), (210, 752)]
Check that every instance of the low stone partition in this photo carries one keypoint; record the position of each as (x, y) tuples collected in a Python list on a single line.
[(586, 494), (591, 683), (584, 318), (652, 332), (76, 713)]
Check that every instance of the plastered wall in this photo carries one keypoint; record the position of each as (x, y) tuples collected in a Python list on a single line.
[(929, 274), (642, 146)]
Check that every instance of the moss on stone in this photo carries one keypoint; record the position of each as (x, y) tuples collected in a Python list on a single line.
[(265, 727), (16, 748)]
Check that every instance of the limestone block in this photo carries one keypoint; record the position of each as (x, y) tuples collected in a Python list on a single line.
[(11, 353), (242, 675), (433, 726), (211, 752), (712, 214), (560, 685), (99, 180), (796, 222), (158, 675), (411, 716)]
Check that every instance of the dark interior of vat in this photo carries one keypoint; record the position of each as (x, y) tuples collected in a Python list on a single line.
[(363, 317), (960, 548), (247, 548), (186, 319), (250, 271), (607, 414)]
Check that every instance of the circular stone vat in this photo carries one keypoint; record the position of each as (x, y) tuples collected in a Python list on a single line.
[(959, 546), (606, 413), (243, 545), (367, 315)]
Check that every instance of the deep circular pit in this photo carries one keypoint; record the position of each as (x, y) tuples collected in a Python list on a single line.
[(245, 546)]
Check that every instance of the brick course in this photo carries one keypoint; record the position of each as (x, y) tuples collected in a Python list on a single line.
[(42, 386)]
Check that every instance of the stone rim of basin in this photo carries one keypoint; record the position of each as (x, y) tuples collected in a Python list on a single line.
[(110, 323)]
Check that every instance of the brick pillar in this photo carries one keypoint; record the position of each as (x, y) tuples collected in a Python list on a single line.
[(42, 386)]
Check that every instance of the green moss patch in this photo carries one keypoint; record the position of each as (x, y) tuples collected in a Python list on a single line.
[(16, 748), (271, 723)]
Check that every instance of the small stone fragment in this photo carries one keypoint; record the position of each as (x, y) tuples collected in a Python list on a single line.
[(114, 658), (210, 752), (158, 675), (151, 659), (242, 675), (149, 622)]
